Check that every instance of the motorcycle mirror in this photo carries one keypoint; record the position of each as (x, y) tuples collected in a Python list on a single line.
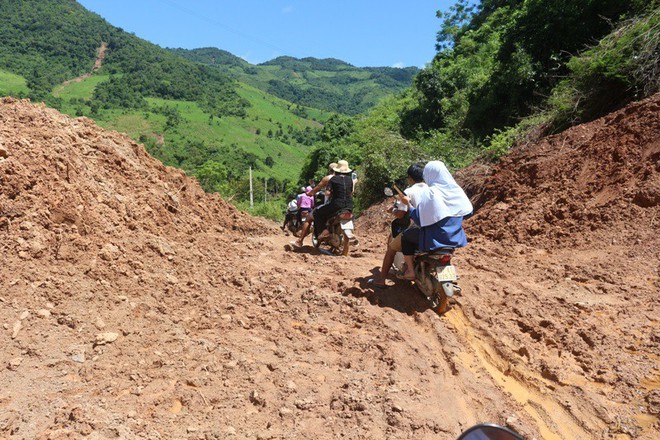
[(489, 432), (388, 192)]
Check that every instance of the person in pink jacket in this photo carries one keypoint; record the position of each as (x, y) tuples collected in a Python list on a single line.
[(305, 204)]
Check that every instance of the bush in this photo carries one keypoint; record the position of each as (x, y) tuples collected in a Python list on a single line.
[(530, 129), (622, 67), (272, 209)]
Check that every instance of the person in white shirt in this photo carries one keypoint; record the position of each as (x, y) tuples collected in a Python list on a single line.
[(402, 222)]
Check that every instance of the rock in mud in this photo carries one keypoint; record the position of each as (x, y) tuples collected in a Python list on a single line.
[(16, 329), (14, 363), (256, 399), (106, 338), (304, 404)]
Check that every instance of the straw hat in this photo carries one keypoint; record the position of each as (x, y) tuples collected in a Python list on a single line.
[(342, 167)]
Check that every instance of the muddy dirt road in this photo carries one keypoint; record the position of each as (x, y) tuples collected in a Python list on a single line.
[(133, 305)]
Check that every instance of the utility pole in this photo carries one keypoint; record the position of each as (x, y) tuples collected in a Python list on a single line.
[(251, 196)]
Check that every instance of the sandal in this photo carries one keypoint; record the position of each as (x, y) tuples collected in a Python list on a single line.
[(402, 276), (372, 282)]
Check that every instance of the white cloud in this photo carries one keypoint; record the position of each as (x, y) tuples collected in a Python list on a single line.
[(287, 9), (398, 65), (248, 57)]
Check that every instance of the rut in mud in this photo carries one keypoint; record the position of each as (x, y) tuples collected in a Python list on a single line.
[(133, 305)]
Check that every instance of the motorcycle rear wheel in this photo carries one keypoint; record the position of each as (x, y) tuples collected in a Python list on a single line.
[(315, 241), (342, 248), (432, 290), (344, 243)]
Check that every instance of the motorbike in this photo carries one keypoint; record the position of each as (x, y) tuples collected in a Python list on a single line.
[(341, 236), (294, 226), (435, 277), (489, 432)]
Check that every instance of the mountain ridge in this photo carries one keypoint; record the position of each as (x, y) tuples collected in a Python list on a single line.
[(329, 84)]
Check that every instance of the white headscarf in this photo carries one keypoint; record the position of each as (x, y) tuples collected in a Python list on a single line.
[(443, 198)]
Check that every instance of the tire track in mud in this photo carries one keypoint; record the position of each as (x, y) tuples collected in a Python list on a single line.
[(466, 366), (548, 341), (553, 420), (429, 354)]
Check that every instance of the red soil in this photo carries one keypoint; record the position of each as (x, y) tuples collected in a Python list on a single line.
[(134, 305)]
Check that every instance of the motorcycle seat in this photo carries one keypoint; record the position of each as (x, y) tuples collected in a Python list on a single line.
[(342, 215)]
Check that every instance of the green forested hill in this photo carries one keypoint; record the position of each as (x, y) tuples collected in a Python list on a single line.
[(206, 111), (212, 56), (50, 41), (188, 114), (328, 84), (505, 72)]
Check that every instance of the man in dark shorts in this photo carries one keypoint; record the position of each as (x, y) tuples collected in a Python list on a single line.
[(341, 187)]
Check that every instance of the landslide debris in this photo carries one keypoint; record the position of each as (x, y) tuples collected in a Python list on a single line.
[(561, 278), (102, 246), (593, 182), (562, 274), (133, 305)]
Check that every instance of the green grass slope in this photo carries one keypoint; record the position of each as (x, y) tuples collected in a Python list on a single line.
[(12, 84), (194, 137)]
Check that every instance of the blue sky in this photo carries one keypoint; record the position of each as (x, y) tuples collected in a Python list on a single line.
[(362, 32)]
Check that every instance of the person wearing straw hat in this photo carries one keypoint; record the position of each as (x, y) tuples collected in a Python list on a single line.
[(341, 188)]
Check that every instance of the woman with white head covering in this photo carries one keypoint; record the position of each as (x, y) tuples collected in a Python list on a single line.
[(439, 213)]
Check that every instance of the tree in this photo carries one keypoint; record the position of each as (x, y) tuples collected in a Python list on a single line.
[(212, 176), (173, 117), (336, 127)]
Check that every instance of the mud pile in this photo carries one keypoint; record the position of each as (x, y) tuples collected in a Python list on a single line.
[(594, 182), (133, 305), (94, 202), (563, 274), (561, 279), (94, 234)]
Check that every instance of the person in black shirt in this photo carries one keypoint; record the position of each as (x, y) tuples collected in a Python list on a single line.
[(340, 185)]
